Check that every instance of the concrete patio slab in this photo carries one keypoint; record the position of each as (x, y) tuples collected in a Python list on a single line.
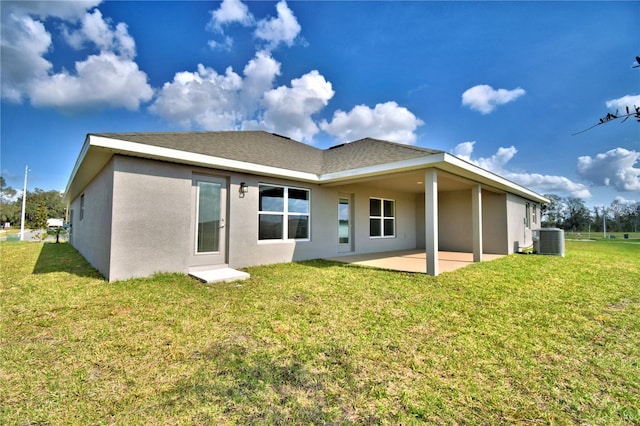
[(413, 260)]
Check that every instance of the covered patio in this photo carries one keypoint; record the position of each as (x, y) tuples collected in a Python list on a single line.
[(413, 260)]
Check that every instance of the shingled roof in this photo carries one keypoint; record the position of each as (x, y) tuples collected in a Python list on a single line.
[(259, 147), (268, 154)]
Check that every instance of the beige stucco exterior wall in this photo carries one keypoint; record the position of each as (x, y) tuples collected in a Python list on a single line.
[(520, 235), (494, 223), (420, 225), (91, 235), (455, 221), (405, 202), (246, 250), (151, 218)]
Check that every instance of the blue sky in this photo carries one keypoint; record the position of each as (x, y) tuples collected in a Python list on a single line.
[(501, 84)]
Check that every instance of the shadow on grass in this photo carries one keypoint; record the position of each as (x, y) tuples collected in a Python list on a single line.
[(63, 257)]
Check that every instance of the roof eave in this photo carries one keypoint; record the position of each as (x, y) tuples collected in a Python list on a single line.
[(99, 145), (95, 144), (440, 160)]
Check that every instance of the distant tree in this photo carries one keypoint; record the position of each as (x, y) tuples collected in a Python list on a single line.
[(38, 202), (572, 215), (8, 210), (577, 217), (551, 212), (51, 200), (624, 216), (6, 192), (40, 215), (597, 222)]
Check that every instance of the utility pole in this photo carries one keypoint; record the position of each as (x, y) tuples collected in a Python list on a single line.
[(24, 202)]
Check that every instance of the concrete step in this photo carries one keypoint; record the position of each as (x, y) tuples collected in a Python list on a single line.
[(219, 275)]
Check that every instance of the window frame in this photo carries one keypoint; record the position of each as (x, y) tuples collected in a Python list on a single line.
[(81, 206), (284, 213), (382, 218)]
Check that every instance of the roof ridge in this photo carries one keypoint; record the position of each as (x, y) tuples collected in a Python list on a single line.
[(397, 144)]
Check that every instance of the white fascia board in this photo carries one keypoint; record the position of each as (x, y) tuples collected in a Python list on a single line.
[(382, 169), (76, 167), (503, 183), (176, 155)]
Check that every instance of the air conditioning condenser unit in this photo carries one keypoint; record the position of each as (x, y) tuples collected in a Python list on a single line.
[(548, 241)]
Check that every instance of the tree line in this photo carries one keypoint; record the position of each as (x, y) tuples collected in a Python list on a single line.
[(40, 206), (571, 214)]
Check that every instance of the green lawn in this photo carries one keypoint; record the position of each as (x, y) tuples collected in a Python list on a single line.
[(520, 340)]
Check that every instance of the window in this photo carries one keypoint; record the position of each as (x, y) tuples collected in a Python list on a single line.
[(534, 217), (527, 215), (382, 218), (82, 207), (283, 213)]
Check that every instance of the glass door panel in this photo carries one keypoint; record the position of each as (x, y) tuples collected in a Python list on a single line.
[(208, 212), (344, 224), (209, 218)]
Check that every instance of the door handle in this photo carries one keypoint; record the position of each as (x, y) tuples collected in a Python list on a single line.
[(221, 223)]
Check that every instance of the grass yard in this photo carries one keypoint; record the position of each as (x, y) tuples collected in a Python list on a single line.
[(519, 340)]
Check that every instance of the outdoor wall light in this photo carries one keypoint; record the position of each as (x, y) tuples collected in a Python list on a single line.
[(243, 189)]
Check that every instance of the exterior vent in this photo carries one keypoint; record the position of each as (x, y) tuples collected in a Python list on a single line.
[(548, 241)]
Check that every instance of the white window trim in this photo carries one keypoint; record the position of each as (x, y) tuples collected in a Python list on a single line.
[(285, 213), (382, 218)]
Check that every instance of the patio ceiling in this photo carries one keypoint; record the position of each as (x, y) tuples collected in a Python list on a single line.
[(413, 182)]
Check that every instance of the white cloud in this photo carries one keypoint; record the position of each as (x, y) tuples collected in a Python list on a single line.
[(213, 101), (387, 121), (66, 10), (105, 80), (24, 44), (485, 99), (613, 168), (260, 74), (230, 11), (203, 98), (621, 200), (288, 110), (108, 79), (94, 29), (225, 44), (282, 29), (538, 182), (623, 102)]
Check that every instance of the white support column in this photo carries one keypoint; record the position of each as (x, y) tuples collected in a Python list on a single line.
[(476, 217), (431, 220)]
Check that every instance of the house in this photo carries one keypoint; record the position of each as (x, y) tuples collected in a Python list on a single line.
[(142, 203)]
